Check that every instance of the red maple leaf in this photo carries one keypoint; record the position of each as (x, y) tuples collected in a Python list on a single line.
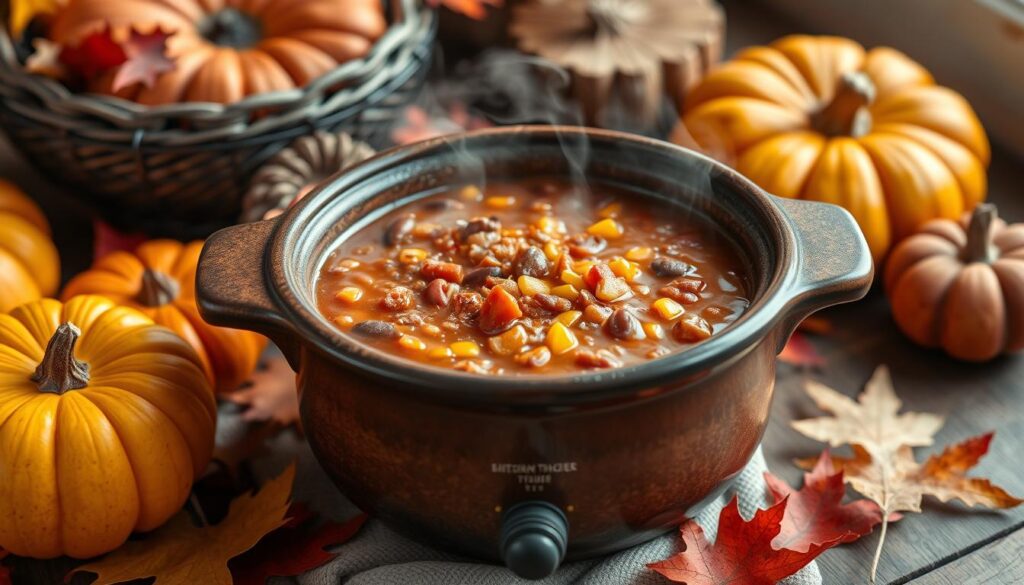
[(801, 353), (146, 59), (294, 548), (741, 555), (96, 53), (815, 513)]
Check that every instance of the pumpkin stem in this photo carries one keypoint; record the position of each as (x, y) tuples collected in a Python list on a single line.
[(60, 371), (611, 16), (979, 235), (231, 27), (157, 289), (847, 114)]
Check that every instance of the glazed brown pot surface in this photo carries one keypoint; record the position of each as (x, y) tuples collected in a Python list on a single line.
[(531, 469)]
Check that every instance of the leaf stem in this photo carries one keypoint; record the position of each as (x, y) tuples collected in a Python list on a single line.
[(881, 542)]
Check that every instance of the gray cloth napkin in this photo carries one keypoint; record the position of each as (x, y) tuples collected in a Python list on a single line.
[(380, 556)]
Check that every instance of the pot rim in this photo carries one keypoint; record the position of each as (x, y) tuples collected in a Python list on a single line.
[(770, 306)]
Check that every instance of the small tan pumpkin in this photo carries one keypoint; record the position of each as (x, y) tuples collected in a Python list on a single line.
[(225, 50), (960, 285)]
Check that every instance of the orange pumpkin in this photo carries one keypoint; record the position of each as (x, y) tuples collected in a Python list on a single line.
[(960, 285), (821, 118), (105, 421), (158, 279), (225, 50), (29, 264)]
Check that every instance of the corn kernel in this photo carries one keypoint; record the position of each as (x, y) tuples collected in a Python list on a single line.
[(439, 353), (667, 309), (349, 294), (550, 225), (606, 228), (572, 278), (530, 285), (412, 343), (465, 349), (560, 339), (500, 202), (431, 330), (582, 267), (610, 210), (471, 193), (412, 255), (654, 331), (552, 251), (344, 320), (566, 291), (569, 318), (638, 254), (624, 268)]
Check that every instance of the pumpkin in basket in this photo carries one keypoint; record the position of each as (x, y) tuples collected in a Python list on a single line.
[(821, 118), (960, 285), (29, 264), (225, 50), (158, 279), (105, 421)]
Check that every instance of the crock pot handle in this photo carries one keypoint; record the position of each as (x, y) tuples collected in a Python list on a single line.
[(231, 286), (834, 261)]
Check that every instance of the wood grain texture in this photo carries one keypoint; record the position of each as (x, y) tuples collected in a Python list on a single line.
[(999, 563)]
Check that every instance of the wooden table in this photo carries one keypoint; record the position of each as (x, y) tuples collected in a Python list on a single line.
[(946, 544)]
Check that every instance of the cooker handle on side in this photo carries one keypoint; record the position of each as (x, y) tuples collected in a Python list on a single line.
[(834, 261), (231, 287)]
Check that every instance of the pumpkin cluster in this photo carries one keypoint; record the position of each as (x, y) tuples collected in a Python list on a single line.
[(224, 50), (822, 118)]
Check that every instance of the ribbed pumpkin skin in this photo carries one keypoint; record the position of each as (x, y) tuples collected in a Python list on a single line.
[(923, 156), (29, 263), (941, 298), (228, 356), (80, 471), (299, 40)]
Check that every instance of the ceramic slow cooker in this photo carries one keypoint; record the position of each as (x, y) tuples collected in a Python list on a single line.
[(534, 470)]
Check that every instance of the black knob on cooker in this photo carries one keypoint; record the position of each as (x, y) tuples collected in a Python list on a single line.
[(534, 536)]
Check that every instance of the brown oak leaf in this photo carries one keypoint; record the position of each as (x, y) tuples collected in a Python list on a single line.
[(181, 553), (743, 553), (816, 513), (145, 59)]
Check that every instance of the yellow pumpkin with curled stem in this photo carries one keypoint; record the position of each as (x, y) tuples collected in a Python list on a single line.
[(821, 118), (105, 421), (29, 264)]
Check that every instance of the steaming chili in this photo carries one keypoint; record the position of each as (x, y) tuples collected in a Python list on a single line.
[(536, 276)]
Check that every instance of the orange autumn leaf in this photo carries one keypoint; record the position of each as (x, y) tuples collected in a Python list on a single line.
[(181, 553), (742, 553)]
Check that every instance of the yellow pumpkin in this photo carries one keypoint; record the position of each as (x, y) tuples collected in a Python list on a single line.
[(105, 421), (821, 118), (159, 279), (29, 264)]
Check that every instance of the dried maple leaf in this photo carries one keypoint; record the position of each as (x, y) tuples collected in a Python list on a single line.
[(96, 53), (146, 58), (815, 513), (181, 553), (294, 548), (873, 421), (45, 59), (23, 11), (742, 553), (801, 353), (271, 394), (475, 9)]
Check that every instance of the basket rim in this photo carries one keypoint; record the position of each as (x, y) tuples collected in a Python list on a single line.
[(114, 119)]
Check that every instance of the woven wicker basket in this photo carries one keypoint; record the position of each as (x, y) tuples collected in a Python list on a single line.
[(181, 170)]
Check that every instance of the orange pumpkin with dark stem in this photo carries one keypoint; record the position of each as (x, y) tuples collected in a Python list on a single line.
[(158, 279), (960, 285), (225, 50), (29, 263), (821, 118)]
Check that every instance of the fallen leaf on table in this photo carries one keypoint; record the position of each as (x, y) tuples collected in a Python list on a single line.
[(815, 513), (742, 553), (23, 11), (271, 394), (146, 58), (873, 421), (295, 548), (475, 9), (180, 553), (96, 53), (801, 353)]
